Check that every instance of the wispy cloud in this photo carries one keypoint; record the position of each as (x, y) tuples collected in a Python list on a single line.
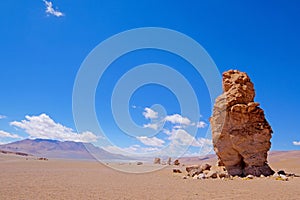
[(201, 142), (178, 119), (177, 143), (152, 126), (44, 127), (3, 116), (4, 134), (180, 140), (150, 114), (201, 124), (182, 137), (297, 143), (177, 138), (50, 10), (153, 141)]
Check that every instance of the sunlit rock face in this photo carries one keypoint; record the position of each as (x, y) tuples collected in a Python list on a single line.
[(241, 133)]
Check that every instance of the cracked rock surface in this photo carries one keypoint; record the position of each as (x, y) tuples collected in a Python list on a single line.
[(241, 133)]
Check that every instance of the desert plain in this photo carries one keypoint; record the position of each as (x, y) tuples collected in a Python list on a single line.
[(28, 178)]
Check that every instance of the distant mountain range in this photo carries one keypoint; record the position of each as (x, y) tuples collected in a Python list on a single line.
[(57, 149)]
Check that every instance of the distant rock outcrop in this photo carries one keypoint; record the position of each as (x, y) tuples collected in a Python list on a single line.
[(157, 161), (15, 153), (177, 171), (169, 162), (139, 163), (43, 159), (176, 162), (241, 134)]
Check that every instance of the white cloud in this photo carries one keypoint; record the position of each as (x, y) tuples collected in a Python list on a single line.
[(154, 141), (178, 119), (152, 126), (3, 116), (177, 127), (296, 143), (181, 140), (182, 137), (51, 10), (201, 124), (44, 127), (4, 134), (203, 142), (167, 132), (202, 152), (150, 114)]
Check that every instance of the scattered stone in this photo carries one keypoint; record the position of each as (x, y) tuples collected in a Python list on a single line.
[(281, 172), (176, 162), (282, 178), (212, 174), (250, 176), (223, 175), (262, 176), (201, 176), (205, 172), (185, 177), (177, 171), (241, 133), (292, 175), (139, 163), (156, 161), (205, 167), (275, 175), (43, 159), (192, 167), (194, 170)]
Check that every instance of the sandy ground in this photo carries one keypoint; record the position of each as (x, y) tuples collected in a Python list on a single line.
[(61, 179)]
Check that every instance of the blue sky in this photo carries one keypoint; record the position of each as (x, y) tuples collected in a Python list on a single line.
[(43, 46)]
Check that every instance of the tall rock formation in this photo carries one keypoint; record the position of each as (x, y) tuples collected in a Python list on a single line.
[(241, 134)]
